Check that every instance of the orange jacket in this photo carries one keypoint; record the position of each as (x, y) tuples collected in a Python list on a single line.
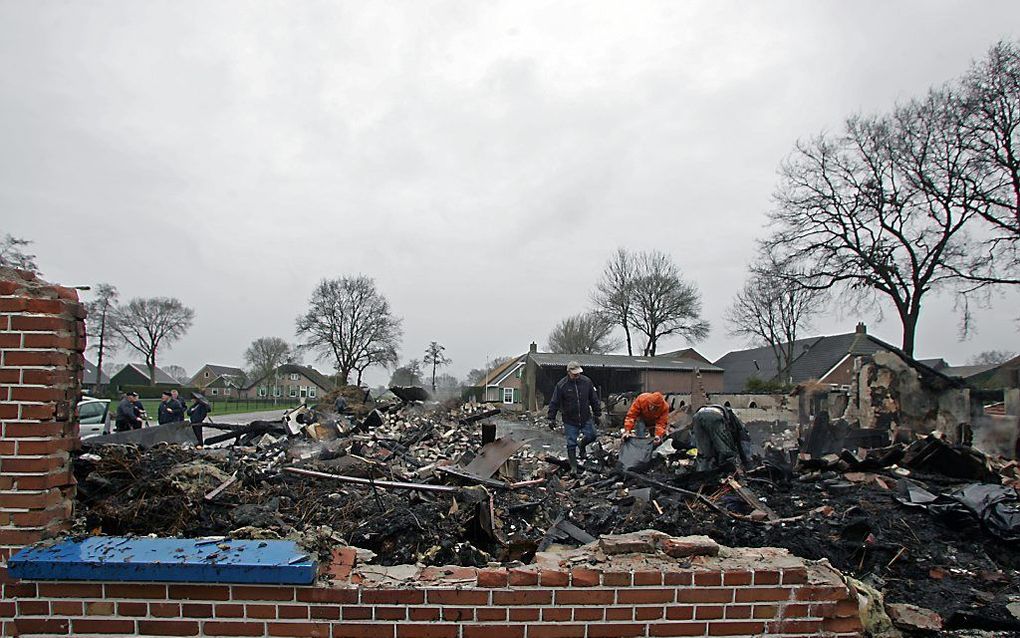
[(650, 407)]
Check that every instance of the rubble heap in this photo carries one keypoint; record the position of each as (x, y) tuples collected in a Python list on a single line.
[(438, 487)]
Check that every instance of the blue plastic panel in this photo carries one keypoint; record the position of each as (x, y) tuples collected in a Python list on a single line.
[(112, 558)]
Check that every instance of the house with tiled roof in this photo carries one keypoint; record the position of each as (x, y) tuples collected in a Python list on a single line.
[(138, 374), (208, 374), (290, 381)]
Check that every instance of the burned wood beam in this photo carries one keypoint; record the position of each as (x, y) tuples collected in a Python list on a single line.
[(396, 485)]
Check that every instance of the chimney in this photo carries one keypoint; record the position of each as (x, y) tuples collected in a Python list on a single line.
[(534, 348), (861, 328)]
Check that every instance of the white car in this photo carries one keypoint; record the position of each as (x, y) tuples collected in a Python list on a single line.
[(93, 417)]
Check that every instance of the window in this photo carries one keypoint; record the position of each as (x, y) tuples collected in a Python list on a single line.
[(277, 391), (311, 392), (205, 375), (262, 391), (519, 372), (215, 392), (93, 412), (508, 395), (294, 376), (293, 391), (304, 392)]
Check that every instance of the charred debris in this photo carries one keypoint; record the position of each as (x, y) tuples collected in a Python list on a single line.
[(927, 523)]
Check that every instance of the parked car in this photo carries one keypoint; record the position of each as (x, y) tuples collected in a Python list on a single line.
[(93, 417)]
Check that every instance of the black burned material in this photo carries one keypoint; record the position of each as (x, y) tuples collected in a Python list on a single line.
[(408, 509)]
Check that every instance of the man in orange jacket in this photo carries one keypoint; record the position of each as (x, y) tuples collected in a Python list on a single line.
[(648, 408)]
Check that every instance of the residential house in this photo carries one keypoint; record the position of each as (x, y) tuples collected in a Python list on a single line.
[(616, 374), (90, 377), (224, 385), (290, 381), (138, 374), (210, 372), (826, 359), (503, 385)]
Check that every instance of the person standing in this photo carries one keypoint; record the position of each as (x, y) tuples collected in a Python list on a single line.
[(127, 414), (162, 414), (649, 408), (197, 413), (175, 407), (577, 400), (340, 405)]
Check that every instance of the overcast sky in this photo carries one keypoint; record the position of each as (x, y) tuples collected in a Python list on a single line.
[(480, 160)]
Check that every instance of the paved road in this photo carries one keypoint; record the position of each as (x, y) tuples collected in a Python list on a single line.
[(247, 417)]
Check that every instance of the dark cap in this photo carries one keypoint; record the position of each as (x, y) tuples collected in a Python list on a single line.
[(132, 394), (166, 393)]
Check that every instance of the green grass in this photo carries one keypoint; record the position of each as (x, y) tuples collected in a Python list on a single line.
[(219, 408)]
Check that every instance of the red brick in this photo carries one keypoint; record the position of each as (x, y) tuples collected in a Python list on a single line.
[(35, 608), (39, 324), (135, 590), (648, 613), (70, 590), (33, 466), (199, 592), (616, 579), (106, 626), (488, 614), (767, 612), (523, 614), (165, 610), (457, 597), (767, 577), (708, 612), (99, 608), (8, 609), (327, 595), (392, 597), (735, 628), (680, 612), (795, 576), (795, 626), (25, 590), (13, 304), (493, 578), (846, 608), (821, 593), (708, 579), (8, 411), (796, 610), (527, 597), (555, 614), (426, 631), (213, 628), (488, 631), (737, 578), (431, 613), (52, 341), (761, 594), (168, 627), (585, 597), (195, 609), (556, 631), (615, 631), (357, 613), (677, 629), (704, 595), (553, 578), (306, 630), (130, 609), (69, 608), (42, 625), (290, 612), (320, 612), (648, 578), (842, 624), (243, 592), (391, 613), (584, 578), (523, 577), (619, 613), (591, 614), (641, 596), (262, 612), (363, 631), (738, 612), (48, 446), (458, 614), (230, 611), (34, 358), (33, 430)]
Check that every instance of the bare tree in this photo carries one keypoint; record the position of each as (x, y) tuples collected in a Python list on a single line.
[(991, 357), (407, 374), (991, 131), (434, 357), (264, 357), (772, 308), (179, 374), (12, 254), (149, 324), (613, 297), (100, 311), (586, 333), (350, 323), (664, 304)]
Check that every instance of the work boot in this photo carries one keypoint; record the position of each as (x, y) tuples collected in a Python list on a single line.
[(572, 456), (582, 449)]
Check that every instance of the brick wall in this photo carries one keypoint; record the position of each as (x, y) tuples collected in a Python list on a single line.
[(42, 336), (711, 599)]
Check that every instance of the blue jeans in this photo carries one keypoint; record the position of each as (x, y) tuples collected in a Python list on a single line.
[(572, 430)]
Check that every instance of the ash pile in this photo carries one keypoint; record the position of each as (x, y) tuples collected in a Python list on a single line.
[(931, 526)]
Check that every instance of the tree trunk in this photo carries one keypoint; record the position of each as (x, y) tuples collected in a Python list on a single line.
[(626, 331), (434, 364), (99, 365), (910, 330)]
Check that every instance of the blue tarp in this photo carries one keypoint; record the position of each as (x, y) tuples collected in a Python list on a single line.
[(111, 558)]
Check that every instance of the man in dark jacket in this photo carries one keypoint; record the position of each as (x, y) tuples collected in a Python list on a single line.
[(162, 414), (577, 401), (127, 415), (175, 408), (197, 413)]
